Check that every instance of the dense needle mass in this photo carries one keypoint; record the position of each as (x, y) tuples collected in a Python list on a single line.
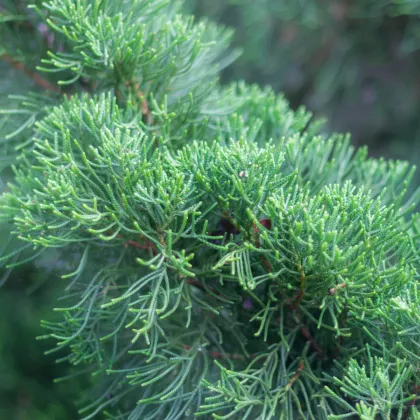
[(224, 258)]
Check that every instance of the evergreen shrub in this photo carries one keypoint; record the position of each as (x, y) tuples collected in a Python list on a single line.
[(223, 258)]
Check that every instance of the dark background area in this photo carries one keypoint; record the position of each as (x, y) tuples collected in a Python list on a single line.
[(27, 390), (355, 62)]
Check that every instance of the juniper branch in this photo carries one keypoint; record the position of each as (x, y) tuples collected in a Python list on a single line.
[(221, 273)]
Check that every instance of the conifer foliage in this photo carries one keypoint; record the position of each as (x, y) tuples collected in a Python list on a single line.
[(224, 258)]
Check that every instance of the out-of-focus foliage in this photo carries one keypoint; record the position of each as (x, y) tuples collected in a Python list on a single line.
[(27, 388), (356, 62)]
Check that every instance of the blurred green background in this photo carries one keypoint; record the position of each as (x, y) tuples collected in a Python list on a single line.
[(355, 62), (27, 390)]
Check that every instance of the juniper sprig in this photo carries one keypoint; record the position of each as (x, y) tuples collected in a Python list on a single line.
[(224, 257)]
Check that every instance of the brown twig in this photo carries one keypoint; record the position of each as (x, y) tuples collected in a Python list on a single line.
[(231, 221), (255, 232), (297, 374), (146, 245), (144, 106), (266, 264), (196, 284), (305, 332), (412, 403), (135, 244), (219, 355), (39, 80), (309, 337), (302, 287), (145, 109)]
